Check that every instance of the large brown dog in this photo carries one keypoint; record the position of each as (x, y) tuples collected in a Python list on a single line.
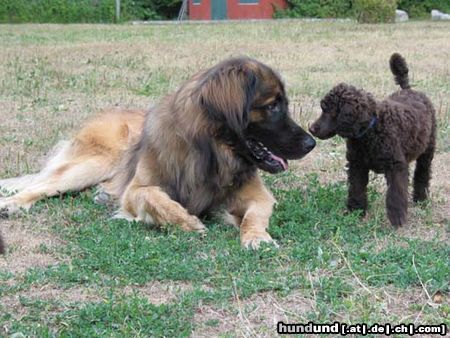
[(194, 152)]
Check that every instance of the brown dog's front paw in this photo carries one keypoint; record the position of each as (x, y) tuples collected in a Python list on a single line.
[(194, 224), (253, 239)]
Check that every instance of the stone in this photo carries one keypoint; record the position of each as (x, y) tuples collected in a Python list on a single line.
[(401, 16), (438, 15)]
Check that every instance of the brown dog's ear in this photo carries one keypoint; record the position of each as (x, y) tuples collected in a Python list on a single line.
[(227, 93)]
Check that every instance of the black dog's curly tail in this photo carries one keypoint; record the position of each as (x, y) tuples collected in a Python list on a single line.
[(400, 70)]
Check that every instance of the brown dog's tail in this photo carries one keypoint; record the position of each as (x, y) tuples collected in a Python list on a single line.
[(400, 70)]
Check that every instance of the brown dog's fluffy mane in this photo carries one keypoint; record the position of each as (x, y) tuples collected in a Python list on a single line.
[(192, 137)]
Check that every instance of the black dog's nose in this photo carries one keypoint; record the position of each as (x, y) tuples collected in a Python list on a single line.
[(313, 129), (309, 143)]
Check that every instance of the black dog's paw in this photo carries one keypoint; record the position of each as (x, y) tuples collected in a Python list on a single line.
[(356, 207), (360, 212), (420, 196), (397, 219)]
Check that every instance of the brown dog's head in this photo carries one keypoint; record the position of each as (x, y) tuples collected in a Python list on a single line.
[(247, 102), (346, 111)]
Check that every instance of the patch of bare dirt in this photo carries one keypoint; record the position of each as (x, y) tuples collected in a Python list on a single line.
[(258, 315), (440, 182), (24, 247), (327, 160), (394, 305), (157, 292), (429, 222), (61, 299), (255, 316), (403, 304), (51, 292)]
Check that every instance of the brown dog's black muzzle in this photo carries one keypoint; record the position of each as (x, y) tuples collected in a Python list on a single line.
[(272, 144), (308, 144), (294, 142)]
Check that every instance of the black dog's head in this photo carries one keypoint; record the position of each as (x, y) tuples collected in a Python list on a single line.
[(346, 111), (248, 102)]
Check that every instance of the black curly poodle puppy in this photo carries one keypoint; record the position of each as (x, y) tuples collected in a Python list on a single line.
[(384, 137)]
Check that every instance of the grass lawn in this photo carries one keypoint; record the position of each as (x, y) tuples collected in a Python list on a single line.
[(71, 270)]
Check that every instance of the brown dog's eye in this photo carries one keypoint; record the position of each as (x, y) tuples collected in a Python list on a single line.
[(274, 108)]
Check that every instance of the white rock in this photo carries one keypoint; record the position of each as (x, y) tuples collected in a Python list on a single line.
[(401, 16), (438, 15)]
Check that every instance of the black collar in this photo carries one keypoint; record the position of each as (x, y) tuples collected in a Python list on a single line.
[(373, 122)]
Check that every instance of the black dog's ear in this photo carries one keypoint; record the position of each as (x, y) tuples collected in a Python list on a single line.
[(345, 119), (227, 93)]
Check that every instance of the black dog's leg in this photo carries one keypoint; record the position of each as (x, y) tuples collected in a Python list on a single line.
[(358, 177), (422, 175), (397, 195)]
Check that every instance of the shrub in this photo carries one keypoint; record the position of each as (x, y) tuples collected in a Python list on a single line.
[(316, 9), (56, 11), (156, 9), (67, 11), (422, 8), (375, 11)]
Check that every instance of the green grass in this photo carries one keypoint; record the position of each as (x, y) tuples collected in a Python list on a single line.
[(102, 277), (314, 234), (116, 316)]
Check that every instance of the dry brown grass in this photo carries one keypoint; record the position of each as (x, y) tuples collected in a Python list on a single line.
[(25, 247), (54, 77), (258, 315), (158, 292)]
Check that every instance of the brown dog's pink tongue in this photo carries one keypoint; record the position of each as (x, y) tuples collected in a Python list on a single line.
[(279, 159)]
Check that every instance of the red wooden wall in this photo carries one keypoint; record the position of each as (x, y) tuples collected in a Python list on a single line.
[(261, 10), (236, 10), (200, 11)]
